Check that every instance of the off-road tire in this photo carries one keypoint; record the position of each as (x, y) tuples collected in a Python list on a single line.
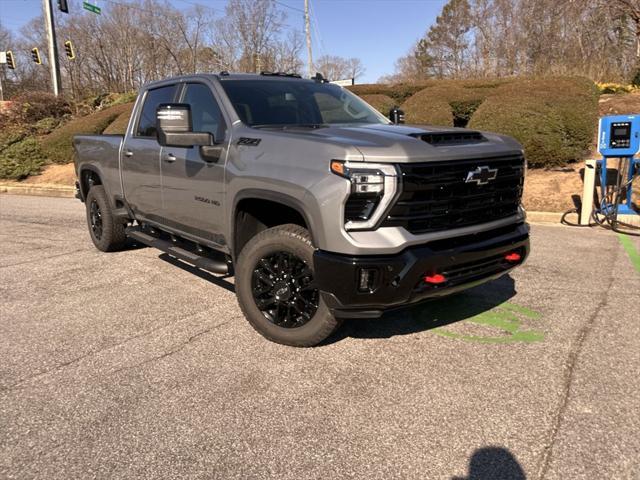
[(294, 240), (111, 236)]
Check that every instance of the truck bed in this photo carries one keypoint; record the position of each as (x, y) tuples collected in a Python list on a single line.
[(100, 153)]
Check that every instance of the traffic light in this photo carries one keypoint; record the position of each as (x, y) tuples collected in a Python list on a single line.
[(11, 62), (68, 48), (35, 55), (63, 6)]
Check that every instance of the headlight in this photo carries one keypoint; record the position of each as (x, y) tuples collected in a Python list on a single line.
[(373, 187)]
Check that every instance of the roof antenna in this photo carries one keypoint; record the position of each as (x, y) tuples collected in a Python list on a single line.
[(319, 78)]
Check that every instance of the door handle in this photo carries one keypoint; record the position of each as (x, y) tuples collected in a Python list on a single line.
[(170, 158), (128, 153)]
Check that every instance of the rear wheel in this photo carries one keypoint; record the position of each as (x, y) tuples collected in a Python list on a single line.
[(276, 288), (106, 232)]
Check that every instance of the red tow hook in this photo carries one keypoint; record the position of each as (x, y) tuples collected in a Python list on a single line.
[(436, 279), (512, 257)]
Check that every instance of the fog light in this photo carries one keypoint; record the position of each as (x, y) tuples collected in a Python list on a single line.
[(367, 279)]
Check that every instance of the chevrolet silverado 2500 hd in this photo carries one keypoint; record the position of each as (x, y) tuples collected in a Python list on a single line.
[(319, 205)]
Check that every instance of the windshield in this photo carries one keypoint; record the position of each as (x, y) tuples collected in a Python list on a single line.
[(270, 103)]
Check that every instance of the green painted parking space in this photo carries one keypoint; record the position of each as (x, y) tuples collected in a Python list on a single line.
[(506, 323), (632, 251)]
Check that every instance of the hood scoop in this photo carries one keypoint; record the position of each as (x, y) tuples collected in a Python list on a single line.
[(441, 139)]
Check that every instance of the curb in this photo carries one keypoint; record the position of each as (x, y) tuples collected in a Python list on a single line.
[(69, 192), (38, 190), (544, 217)]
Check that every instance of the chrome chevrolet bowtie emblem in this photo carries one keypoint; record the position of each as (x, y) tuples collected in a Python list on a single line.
[(481, 175)]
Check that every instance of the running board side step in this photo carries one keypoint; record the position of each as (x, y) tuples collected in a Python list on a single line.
[(205, 263)]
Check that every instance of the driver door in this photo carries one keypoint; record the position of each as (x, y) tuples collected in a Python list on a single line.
[(192, 187)]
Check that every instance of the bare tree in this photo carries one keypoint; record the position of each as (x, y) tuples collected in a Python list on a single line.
[(528, 37), (334, 67), (138, 41), (249, 30)]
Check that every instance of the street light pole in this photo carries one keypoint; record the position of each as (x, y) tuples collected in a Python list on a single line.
[(53, 46)]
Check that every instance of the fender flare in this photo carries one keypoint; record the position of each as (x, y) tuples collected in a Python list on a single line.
[(92, 168), (277, 197)]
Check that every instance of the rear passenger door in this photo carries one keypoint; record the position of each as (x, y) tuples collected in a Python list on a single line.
[(192, 188), (141, 157)]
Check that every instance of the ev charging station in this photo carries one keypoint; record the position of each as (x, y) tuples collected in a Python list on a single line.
[(619, 145)]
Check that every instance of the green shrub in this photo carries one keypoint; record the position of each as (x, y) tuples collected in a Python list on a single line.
[(398, 92), (371, 89), (11, 135), (29, 108), (537, 126), (426, 110), (571, 101), (20, 159), (447, 103), (57, 145), (46, 125), (380, 102), (119, 125), (554, 118), (463, 110)]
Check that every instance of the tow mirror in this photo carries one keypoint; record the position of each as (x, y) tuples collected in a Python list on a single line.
[(174, 127), (396, 115)]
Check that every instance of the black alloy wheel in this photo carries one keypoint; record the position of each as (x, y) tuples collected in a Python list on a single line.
[(284, 291), (95, 216)]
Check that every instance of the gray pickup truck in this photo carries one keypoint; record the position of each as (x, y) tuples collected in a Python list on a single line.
[(321, 207)]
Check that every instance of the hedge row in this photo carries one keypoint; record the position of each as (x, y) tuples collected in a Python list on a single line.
[(57, 145), (554, 118), (34, 134), (380, 102), (119, 125)]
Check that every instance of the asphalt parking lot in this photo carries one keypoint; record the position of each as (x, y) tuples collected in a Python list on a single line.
[(129, 365)]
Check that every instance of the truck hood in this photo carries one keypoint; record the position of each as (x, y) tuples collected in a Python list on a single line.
[(409, 144)]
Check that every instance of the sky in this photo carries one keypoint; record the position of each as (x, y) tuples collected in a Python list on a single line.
[(376, 31)]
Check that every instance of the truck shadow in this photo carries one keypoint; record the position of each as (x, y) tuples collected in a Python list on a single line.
[(405, 321), (430, 314), (493, 463)]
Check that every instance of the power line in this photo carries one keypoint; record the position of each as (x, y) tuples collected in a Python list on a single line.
[(316, 28), (289, 6)]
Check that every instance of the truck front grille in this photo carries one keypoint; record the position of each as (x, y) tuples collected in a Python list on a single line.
[(435, 196)]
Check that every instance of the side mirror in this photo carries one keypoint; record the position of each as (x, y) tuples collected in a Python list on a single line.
[(396, 115), (174, 127)]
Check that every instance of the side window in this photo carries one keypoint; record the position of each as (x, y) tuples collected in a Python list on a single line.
[(147, 122), (205, 112)]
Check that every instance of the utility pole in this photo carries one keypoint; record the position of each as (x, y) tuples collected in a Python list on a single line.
[(53, 46), (307, 29)]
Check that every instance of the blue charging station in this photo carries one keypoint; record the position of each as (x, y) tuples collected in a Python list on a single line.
[(619, 137)]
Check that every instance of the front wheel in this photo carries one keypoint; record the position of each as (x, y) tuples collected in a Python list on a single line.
[(277, 291)]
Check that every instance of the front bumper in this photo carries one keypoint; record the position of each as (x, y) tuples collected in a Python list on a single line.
[(399, 279)]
